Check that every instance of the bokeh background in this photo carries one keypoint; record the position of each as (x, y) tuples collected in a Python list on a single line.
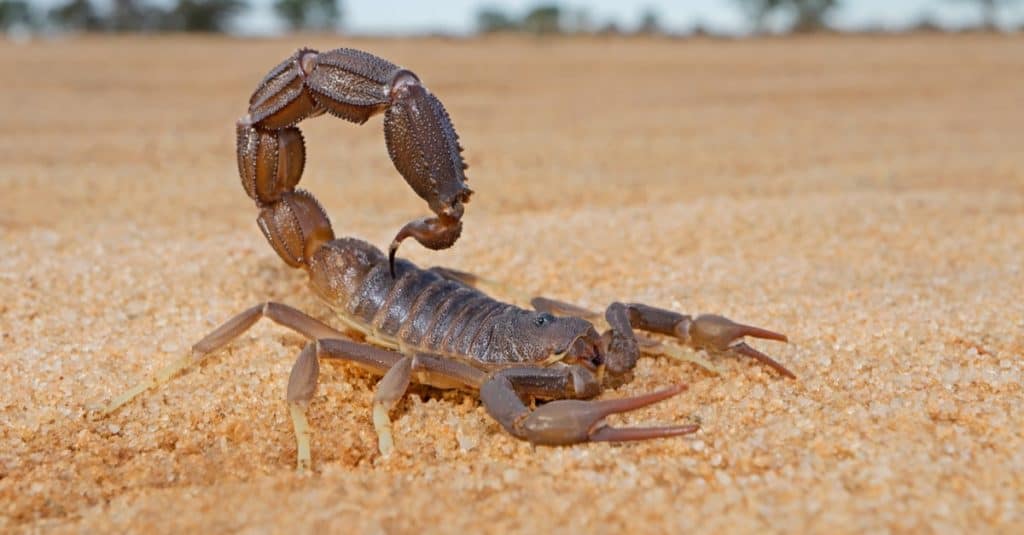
[(466, 17), (849, 172)]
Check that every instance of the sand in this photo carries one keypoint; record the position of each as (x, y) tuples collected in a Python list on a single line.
[(863, 195)]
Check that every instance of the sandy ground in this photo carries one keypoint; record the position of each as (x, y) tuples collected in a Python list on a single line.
[(865, 196)]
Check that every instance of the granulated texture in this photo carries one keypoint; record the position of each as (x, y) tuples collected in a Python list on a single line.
[(863, 195)]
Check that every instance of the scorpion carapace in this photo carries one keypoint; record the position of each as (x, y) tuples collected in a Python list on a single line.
[(434, 326)]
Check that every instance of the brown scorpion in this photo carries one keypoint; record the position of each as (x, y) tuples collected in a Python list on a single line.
[(434, 326)]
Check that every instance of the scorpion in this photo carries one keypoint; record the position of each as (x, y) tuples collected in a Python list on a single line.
[(435, 326)]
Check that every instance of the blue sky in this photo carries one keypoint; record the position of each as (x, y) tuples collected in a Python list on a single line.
[(457, 16)]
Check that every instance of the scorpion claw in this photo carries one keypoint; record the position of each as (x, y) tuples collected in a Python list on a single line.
[(573, 421), (743, 349), (721, 334), (627, 434)]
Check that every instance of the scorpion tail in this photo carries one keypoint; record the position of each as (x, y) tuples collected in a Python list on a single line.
[(354, 86), (270, 163)]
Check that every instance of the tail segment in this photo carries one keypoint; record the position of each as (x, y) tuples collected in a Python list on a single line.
[(354, 86)]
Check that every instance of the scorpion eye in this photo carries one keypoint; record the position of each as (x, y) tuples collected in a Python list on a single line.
[(543, 319)]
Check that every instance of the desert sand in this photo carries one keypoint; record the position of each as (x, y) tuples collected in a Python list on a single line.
[(863, 195)]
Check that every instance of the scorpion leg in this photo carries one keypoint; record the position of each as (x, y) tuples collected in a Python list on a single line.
[(327, 342), (425, 369), (390, 389), (567, 421), (306, 370), (301, 386), (285, 315), (398, 372)]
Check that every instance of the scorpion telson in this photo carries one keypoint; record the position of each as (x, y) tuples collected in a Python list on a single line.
[(431, 326)]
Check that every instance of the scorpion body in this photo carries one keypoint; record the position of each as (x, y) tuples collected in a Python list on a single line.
[(425, 311), (430, 326)]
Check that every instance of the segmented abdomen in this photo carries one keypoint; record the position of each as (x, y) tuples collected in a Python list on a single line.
[(418, 309)]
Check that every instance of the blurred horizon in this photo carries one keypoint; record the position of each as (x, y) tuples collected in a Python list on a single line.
[(725, 17)]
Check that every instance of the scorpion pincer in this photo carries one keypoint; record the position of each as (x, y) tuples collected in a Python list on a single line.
[(430, 326)]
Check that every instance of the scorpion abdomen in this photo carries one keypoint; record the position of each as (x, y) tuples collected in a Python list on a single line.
[(397, 308), (417, 309), (420, 321)]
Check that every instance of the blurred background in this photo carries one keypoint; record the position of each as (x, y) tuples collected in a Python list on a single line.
[(22, 19)]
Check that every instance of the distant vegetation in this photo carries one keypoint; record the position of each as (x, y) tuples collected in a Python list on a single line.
[(990, 10), (130, 15), (318, 15), (800, 16), (548, 18), (149, 16), (763, 16), (79, 14)]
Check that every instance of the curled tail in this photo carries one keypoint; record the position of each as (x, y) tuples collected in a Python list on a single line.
[(354, 86)]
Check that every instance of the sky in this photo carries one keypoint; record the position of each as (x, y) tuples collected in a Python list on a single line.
[(458, 16), (420, 16)]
